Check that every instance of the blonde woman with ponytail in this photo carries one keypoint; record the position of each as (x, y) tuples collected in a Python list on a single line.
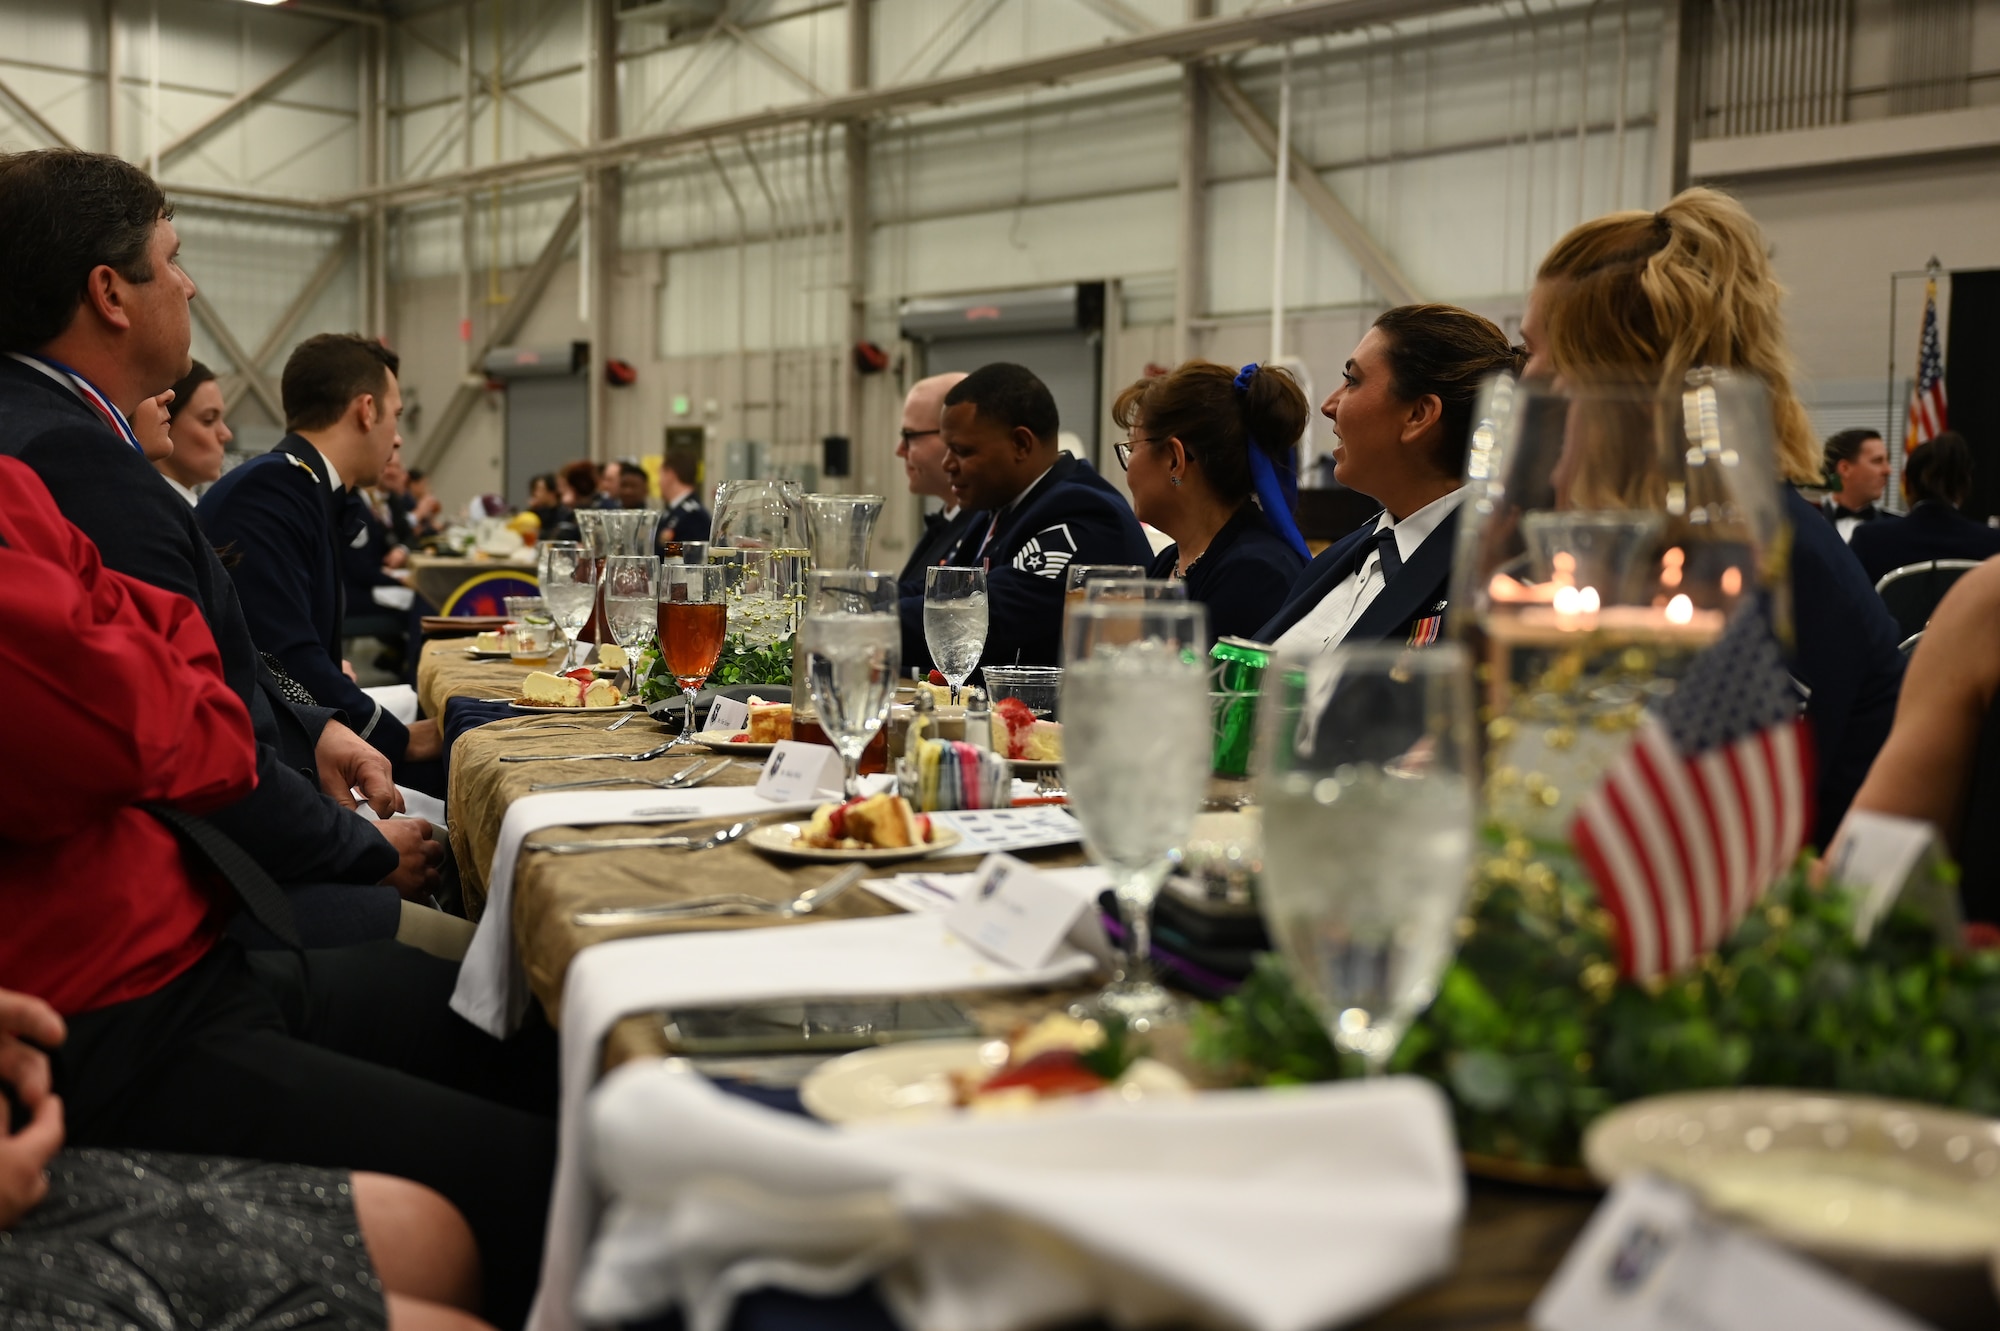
[(1658, 294)]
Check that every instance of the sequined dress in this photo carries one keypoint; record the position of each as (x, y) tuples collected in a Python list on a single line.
[(158, 1242)]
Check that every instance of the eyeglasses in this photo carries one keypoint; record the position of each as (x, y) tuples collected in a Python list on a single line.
[(911, 436), (1123, 448)]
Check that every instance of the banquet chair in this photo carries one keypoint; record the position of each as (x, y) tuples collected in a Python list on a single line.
[(1913, 591)]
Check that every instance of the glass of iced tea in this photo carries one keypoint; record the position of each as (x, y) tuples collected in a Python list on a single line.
[(693, 620), (1079, 576)]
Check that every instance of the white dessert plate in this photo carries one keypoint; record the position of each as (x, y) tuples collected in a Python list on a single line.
[(782, 840), (1844, 1176), (621, 705), (720, 742), (913, 1081), (488, 654), (1035, 764)]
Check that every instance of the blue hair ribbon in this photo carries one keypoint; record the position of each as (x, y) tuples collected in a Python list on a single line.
[(1277, 491)]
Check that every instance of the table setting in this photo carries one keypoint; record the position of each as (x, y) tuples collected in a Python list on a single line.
[(1354, 917)]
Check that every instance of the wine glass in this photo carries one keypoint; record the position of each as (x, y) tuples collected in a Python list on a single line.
[(693, 620), (1368, 817), (955, 622), (852, 639), (631, 606), (1136, 755), (568, 572), (1076, 577)]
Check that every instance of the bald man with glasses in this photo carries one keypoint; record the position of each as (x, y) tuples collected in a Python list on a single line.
[(922, 451)]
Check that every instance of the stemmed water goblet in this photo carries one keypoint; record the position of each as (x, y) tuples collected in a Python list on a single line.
[(955, 622), (1367, 796), (852, 640), (568, 572), (1078, 577), (631, 607), (1136, 755), (693, 620)]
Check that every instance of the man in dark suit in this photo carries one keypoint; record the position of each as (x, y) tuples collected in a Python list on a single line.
[(1857, 469), (1042, 511), (921, 448), (1936, 477), (683, 516), (93, 321), (280, 515)]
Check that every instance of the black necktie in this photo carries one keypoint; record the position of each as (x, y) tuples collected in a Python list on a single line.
[(261, 896), (1391, 557)]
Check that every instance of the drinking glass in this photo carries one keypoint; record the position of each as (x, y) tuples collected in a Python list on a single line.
[(1135, 754), (693, 620), (852, 639), (1078, 576), (1135, 589), (568, 571), (955, 622), (631, 606), (1366, 787)]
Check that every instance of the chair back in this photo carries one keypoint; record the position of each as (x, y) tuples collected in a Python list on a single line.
[(1913, 591)]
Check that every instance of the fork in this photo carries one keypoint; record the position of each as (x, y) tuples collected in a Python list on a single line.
[(694, 774), (647, 756), (710, 842), (731, 903)]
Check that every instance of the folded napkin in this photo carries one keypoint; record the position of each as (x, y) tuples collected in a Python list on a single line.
[(941, 891), (492, 990), (1272, 1210), (398, 700), (898, 954)]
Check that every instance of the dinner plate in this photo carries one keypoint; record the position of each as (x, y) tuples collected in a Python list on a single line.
[(720, 742), (1032, 765), (1849, 1177), (624, 704), (782, 839), (914, 1081), (486, 654)]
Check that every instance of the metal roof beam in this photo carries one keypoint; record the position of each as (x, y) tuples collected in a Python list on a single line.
[(242, 101)]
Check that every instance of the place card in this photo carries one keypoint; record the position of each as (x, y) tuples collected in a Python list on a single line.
[(1883, 858), (988, 830), (799, 771), (1015, 913), (728, 714), (1651, 1260)]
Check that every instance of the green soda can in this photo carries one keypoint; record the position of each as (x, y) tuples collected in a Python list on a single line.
[(1238, 675)]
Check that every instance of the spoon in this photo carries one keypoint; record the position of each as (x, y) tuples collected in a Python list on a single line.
[(732, 903), (710, 842)]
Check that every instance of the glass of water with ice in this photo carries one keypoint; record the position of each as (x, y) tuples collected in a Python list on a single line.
[(955, 622), (1367, 796), (1135, 757)]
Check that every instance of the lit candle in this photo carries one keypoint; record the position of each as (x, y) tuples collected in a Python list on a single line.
[(1680, 610)]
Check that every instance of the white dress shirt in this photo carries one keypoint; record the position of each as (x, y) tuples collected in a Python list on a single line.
[(187, 492), (1326, 625)]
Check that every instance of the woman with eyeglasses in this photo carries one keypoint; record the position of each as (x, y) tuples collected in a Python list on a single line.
[(1204, 440)]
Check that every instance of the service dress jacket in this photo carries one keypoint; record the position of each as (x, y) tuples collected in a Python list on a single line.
[(941, 536), (1244, 577), (281, 519), (1410, 608), (1930, 531), (1071, 515), (142, 528), (686, 519)]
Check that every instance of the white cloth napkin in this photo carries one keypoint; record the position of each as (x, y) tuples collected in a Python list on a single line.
[(900, 954), (942, 891), (492, 990), (1272, 1210), (398, 700)]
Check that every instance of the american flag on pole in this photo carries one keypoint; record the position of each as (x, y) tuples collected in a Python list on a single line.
[(1927, 408), (1705, 808)]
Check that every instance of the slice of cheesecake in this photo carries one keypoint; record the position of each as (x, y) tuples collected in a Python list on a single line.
[(611, 656), (601, 693), (541, 689)]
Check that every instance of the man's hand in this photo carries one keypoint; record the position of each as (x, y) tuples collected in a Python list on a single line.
[(416, 875), (347, 762), (397, 557), (426, 742), (347, 669), (25, 1154)]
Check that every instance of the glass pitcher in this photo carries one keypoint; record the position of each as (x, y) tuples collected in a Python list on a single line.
[(841, 527)]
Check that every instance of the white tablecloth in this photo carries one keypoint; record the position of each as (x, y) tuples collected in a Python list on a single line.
[(1273, 1210), (901, 954)]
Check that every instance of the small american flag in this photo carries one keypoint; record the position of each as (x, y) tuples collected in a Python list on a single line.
[(1706, 807), (1927, 407)]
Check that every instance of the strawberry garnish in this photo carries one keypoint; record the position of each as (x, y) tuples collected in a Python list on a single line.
[(582, 675), (937, 677), (1056, 1072)]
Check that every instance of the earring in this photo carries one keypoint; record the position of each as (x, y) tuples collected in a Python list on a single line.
[(1173, 480)]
